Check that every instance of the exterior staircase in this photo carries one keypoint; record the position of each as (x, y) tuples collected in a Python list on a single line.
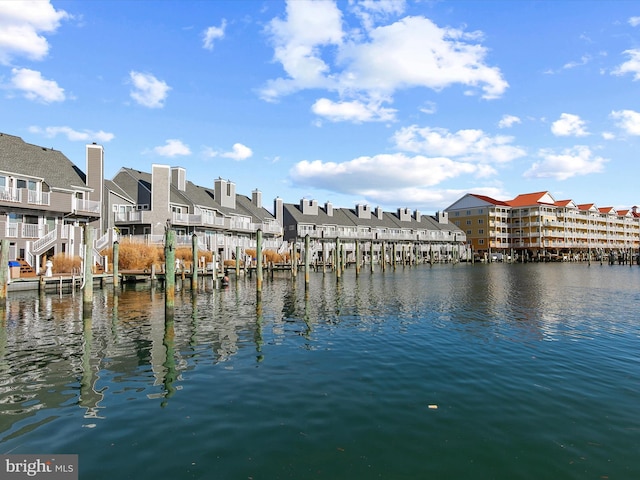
[(25, 269)]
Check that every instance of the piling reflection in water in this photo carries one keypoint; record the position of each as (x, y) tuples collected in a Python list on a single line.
[(503, 350)]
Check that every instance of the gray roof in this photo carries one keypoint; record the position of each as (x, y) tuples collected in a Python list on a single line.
[(349, 217), (21, 158), (131, 180), (115, 188)]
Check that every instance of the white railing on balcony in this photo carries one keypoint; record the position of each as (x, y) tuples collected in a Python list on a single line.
[(12, 230), (272, 228), (81, 205), (186, 219), (38, 198), (10, 195), (32, 230)]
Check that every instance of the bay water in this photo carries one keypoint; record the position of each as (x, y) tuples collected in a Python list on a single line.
[(452, 371)]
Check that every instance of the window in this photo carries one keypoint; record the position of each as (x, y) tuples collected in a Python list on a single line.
[(468, 222), (481, 241), (468, 212), (480, 221), (3, 183), (456, 214), (468, 232), (481, 231), (480, 211), (21, 183)]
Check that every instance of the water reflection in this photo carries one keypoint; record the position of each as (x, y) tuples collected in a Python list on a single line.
[(52, 356)]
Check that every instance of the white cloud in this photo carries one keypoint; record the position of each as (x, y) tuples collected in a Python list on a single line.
[(315, 52), (309, 25), (74, 135), (213, 33), (354, 111), (571, 162), (569, 125), (468, 145), (371, 11), (508, 121), (429, 108), (238, 152), (173, 148), (634, 21), (630, 66), (35, 87), (22, 25), (148, 90), (608, 135), (365, 175), (583, 61), (627, 120), (415, 52)]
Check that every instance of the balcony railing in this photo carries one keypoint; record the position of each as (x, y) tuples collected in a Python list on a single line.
[(11, 195), (81, 205), (38, 198)]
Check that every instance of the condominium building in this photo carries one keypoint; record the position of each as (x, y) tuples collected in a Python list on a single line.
[(375, 230), (537, 224), (45, 200), (141, 205)]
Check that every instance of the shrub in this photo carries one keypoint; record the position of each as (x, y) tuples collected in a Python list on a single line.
[(140, 256), (64, 264)]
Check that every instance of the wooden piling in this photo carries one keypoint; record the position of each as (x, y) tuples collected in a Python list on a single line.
[(294, 253), (307, 260), (324, 258), (338, 259), (371, 255), (259, 261), (357, 258), (87, 289), (237, 261), (194, 264), (4, 271), (116, 257), (169, 271)]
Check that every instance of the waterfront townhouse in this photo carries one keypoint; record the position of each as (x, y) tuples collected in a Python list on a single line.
[(408, 235), (536, 224), (142, 205), (45, 200)]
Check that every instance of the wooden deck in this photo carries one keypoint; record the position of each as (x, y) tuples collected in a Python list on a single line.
[(61, 283)]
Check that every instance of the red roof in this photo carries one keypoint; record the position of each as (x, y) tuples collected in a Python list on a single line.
[(586, 206), (490, 200), (527, 199)]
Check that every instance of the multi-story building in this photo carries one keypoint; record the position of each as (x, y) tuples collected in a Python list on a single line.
[(414, 234), (45, 200), (142, 205), (535, 224)]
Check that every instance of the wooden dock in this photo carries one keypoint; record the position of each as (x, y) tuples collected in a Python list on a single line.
[(63, 283)]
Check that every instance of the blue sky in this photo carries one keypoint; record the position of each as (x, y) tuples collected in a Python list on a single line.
[(389, 103)]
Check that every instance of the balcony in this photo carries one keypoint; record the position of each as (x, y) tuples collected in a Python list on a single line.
[(38, 198), (12, 195), (79, 205)]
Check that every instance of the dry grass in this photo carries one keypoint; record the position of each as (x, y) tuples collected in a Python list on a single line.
[(64, 264), (269, 256), (139, 256)]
